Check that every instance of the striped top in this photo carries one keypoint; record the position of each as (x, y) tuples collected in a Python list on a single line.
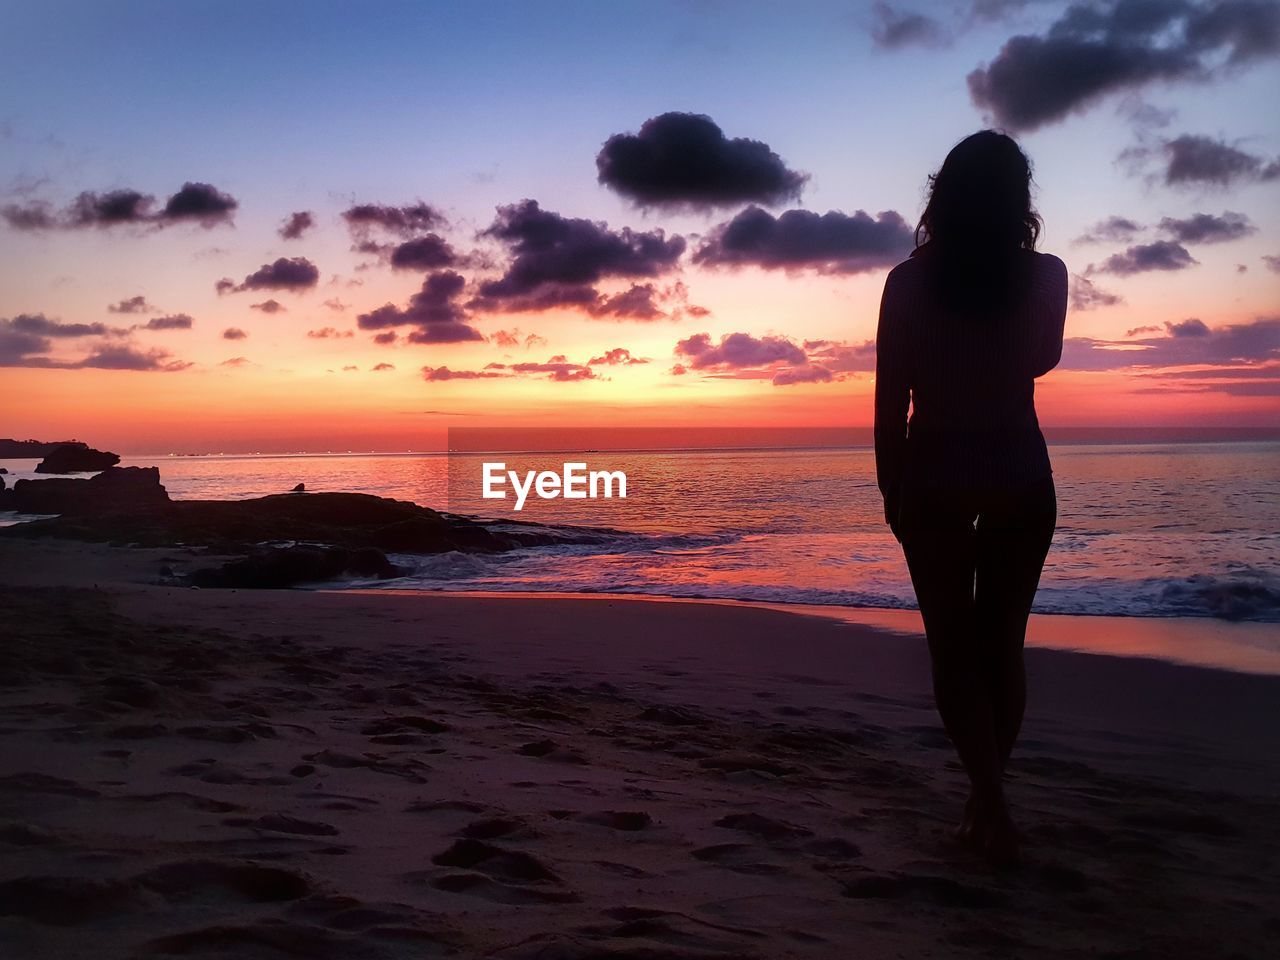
[(970, 385)]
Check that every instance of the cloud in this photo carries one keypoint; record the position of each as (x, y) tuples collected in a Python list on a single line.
[(1143, 258), (1111, 230), (27, 339), (286, 273), (329, 333), (233, 333), (296, 224), (380, 367), (363, 218), (200, 202), (618, 356), (1207, 228), (812, 373), (384, 338), (423, 253), (1185, 343), (268, 306), (136, 304), (738, 351), (557, 370), (195, 202), (40, 325), (1085, 295), (1272, 261), (336, 305), (557, 261), (833, 242), (685, 160), (1196, 160), (434, 312), (893, 29), (234, 362), (130, 358), (435, 374), (1094, 51), (177, 321), (779, 359), (511, 339)]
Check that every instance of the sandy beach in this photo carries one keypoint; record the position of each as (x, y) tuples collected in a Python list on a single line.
[(327, 774)]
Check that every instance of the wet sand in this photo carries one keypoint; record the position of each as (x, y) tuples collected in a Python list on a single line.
[(322, 774)]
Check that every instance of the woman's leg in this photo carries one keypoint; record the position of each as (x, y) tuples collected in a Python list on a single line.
[(1012, 540), (939, 542)]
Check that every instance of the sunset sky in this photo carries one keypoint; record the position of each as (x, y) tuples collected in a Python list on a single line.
[(268, 226)]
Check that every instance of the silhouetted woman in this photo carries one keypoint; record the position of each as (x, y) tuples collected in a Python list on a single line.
[(966, 325)]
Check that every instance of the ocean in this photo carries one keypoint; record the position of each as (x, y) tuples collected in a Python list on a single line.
[(1144, 529)]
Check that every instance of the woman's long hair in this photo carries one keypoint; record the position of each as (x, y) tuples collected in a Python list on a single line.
[(978, 225)]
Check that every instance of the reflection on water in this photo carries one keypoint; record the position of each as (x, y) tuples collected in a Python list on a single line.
[(1144, 529)]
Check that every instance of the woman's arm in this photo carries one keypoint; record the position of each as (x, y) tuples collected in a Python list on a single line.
[(1051, 317), (893, 399)]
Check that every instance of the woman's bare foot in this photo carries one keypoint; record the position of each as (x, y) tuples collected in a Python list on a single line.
[(1000, 842)]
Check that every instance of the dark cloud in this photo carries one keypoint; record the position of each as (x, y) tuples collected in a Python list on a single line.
[(1186, 343), (1094, 50), (1149, 328), (1272, 262), (778, 359), (130, 358), (136, 304), (1207, 228), (557, 261), (1086, 295), (1145, 257), (833, 242), (296, 224), (329, 333), (401, 221), (384, 338), (840, 357), (637, 302), (27, 339), (195, 202), (32, 216), (108, 209), (892, 29), (811, 373), (558, 369), (233, 333), (286, 273), (200, 202), (737, 351), (1195, 160), (685, 160), (1111, 230), (433, 374), (177, 321), (434, 312), (1191, 327), (40, 325), (268, 306), (380, 367), (618, 356), (423, 253)]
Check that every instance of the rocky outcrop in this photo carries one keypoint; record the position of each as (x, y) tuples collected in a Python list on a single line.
[(11, 449), (76, 458), (274, 568), (114, 489), (348, 520)]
